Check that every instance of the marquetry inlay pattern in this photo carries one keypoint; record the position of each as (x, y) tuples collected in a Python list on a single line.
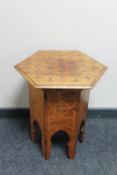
[(62, 106), (59, 87), (59, 69)]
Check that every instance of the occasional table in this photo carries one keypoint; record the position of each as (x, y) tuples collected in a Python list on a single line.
[(59, 87)]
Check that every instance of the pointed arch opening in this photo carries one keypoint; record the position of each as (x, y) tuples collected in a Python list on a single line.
[(60, 140)]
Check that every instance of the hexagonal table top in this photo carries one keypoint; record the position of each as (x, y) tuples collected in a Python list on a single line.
[(61, 69)]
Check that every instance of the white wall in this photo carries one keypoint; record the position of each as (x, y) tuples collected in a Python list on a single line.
[(29, 25)]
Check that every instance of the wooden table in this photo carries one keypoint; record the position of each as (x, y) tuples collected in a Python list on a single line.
[(59, 87)]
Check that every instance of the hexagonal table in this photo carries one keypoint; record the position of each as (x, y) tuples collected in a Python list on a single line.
[(59, 86)]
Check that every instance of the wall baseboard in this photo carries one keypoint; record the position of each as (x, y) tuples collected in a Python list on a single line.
[(102, 113), (24, 112), (14, 113)]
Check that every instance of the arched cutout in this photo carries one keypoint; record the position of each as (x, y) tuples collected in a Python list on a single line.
[(60, 138)]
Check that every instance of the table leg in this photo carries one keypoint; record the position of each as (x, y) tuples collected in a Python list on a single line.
[(72, 147), (46, 147), (33, 131)]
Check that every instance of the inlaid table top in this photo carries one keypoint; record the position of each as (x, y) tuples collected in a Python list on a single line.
[(61, 69)]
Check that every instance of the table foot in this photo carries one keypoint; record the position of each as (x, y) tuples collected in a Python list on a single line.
[(46, 148), (72, 148)]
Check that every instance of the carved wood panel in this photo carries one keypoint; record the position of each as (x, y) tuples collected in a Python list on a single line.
[(62, 107)]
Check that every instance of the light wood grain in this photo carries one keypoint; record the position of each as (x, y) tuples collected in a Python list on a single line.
[(59, 87), (61, 69)]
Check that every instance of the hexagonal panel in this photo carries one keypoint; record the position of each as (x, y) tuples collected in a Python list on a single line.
[(61, 69)]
